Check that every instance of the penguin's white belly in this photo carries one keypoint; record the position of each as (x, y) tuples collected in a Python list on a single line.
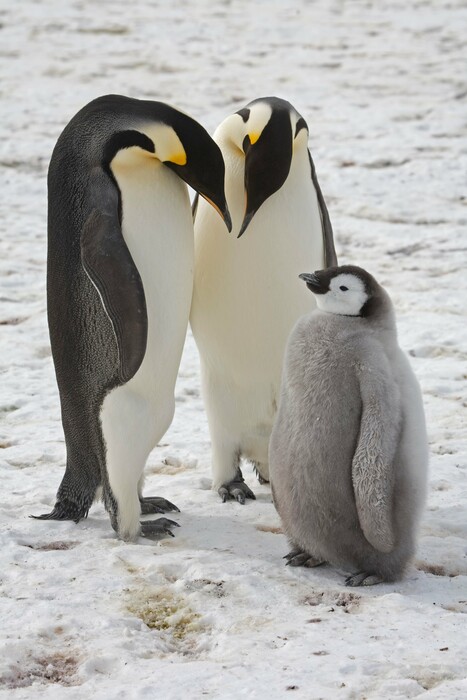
[(246, 299), (158, 230), (247, 295)]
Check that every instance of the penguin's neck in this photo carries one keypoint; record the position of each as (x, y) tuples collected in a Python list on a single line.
[(234, 160), (156, 217)]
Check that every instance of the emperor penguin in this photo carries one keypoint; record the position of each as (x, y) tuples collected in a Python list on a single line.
[(119, 287), (349, 451), (243, 305)]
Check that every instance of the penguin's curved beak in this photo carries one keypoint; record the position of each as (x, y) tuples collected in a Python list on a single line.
[(223, 212), (313, 283), (209, 183), (204, 169), (267, 163)]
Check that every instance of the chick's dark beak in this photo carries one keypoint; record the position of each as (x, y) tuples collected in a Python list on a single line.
[(313, 283)]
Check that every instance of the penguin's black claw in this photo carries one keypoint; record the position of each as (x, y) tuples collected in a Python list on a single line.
[(261, 479), (363, 578), (293, 553), (297, 557), (155, 504), (64, 510), (158, 528), (236, 489)]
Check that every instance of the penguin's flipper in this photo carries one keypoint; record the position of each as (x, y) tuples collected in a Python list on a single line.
[(108, 263), (330, 256), (372, 464)]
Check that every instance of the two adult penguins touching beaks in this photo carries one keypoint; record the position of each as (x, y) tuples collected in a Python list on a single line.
[(247, 295), (119, 290), (120, 286)]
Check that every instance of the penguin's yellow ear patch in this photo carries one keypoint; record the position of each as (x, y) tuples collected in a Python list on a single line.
[(167, 145), (254, 136), (178, 158)]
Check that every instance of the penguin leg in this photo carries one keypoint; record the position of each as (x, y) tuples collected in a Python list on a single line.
[(74, 496), (130, 430), (298, 557), (153, 504), (255, 447), (156, 504), (236, 489), (82, 477), (363, 578), (260, 470), (227, 475), (222, 410)]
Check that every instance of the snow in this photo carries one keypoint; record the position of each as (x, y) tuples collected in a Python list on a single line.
[(383, 88)]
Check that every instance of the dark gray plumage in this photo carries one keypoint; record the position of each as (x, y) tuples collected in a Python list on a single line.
[(348, 451)]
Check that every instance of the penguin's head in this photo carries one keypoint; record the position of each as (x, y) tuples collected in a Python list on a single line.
[(266, 133), (197, 159), (347, 290), (181, 144)]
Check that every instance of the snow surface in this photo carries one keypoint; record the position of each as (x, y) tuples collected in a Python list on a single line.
[(383, 87)]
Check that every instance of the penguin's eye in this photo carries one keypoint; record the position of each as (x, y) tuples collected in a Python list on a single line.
[(343, 289)]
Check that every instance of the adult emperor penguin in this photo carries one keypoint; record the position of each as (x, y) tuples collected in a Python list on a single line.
[(244, 306), (348, 451), (119, 287)]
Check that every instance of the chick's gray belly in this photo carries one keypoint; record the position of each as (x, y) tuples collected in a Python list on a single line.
[(320, 418)]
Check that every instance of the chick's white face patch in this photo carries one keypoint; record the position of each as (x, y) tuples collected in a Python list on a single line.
[(346, 296)]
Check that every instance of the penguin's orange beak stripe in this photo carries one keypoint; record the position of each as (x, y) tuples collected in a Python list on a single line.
[(225, 216), (178, 159), (213, 205)]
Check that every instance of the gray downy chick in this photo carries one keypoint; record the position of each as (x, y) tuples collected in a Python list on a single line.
[(348, 452)]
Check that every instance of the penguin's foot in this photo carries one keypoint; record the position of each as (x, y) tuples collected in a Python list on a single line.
[(363, 578), (236, 489), (262, 480), (297, 557), (155, 504), (64, 510), (158, 528)]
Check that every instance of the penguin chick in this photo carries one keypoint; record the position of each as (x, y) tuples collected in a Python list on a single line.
[(348, 452), (243, 309), (119, 288)]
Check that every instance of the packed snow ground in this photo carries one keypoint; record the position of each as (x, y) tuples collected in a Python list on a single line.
[(214, 612)]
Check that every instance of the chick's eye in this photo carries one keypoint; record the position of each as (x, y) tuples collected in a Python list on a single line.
[(343, 289)]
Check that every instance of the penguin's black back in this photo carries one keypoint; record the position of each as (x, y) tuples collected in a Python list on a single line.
[(82, 338)]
